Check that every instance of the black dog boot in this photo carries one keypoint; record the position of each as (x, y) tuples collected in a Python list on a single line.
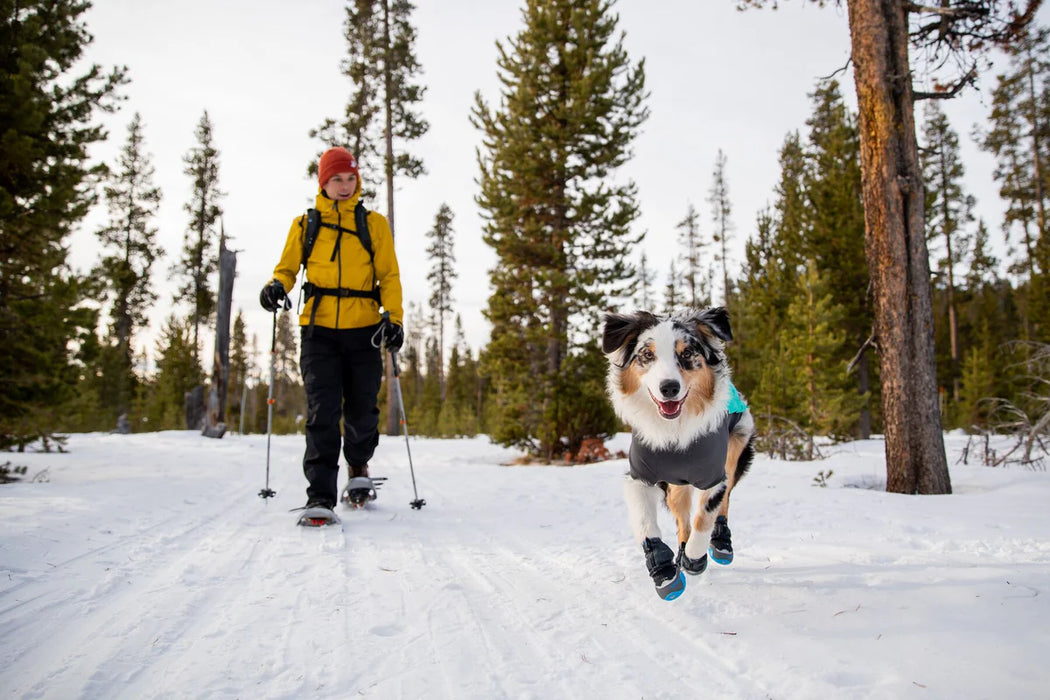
[(693, 567), (660, 560), (721, 548)]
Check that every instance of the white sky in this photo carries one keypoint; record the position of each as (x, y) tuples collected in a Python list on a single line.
[(267, 72)]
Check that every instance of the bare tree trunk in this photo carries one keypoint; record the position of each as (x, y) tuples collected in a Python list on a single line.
[(895, 244), (215, 416), (392, 415)]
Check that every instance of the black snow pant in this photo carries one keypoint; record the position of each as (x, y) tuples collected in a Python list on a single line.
[(342, 372)]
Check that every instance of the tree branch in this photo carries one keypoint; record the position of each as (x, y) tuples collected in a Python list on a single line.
[(952, 90), (948, 12)]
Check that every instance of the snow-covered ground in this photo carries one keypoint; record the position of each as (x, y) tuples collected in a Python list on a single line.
[(147, 566)]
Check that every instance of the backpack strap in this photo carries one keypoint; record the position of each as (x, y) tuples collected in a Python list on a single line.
[(310, 231), (314, 224)]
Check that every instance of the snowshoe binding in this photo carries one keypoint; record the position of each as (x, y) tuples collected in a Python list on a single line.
[(721, 547), (317, 515), (660, 560), (693, 567), (361, 490)]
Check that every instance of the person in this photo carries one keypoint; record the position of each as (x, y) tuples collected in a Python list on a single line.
[(349, 279)]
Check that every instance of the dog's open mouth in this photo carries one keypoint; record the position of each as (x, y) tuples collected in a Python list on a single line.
[(669, 409)]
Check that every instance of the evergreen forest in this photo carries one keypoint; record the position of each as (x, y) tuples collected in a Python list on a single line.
[(561, 219)]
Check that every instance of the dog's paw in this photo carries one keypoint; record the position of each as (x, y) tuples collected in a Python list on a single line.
[(672, 588), (693, 567), (660, 561)]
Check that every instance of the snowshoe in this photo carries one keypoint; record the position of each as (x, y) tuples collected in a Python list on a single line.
[(721, 547), (361, 490), (693, 567), (317, 515), (660, 560)]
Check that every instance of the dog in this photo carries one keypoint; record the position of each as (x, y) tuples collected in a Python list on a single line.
[(691, 432)]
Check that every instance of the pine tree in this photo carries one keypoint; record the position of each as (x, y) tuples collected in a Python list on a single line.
[(833, 228), (241, 368), (200, 252), (130, 248), (769, 284), (178, 371), (49, 100), (380, 117), (459, 410), (558, 219), (288, 391), (644, 299), (672, 294), (427, 416), (693, 249), (1019, 138), (814, 322), (948, 212), (442, 274), (721, 211)]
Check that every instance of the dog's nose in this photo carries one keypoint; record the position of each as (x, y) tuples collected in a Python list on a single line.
[(670, 388)]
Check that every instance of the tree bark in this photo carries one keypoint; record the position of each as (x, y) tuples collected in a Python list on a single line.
[(215, 416), (895, 245)]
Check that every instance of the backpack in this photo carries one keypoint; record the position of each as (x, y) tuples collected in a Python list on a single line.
[(310, 232)]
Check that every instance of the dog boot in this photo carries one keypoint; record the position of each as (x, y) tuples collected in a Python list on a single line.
[(669, 581), (693, 567), (721, 548)]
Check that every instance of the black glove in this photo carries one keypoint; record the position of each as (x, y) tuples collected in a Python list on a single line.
[(272, 295), (394, 337)]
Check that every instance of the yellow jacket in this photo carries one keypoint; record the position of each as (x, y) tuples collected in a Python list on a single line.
[(351, 269)]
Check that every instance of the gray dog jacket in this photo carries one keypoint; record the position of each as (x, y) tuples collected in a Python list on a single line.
[(702, 463)]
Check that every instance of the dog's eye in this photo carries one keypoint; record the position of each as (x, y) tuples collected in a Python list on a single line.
[(646, 356)]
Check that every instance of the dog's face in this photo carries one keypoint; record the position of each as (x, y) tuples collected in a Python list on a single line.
[(668, 376)]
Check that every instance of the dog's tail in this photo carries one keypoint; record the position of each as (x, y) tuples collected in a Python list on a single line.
[(747, 455)]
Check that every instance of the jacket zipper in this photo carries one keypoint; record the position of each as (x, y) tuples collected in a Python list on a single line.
[(339, 262)]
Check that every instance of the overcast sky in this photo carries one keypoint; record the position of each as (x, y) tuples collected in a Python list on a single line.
[(267, 72)]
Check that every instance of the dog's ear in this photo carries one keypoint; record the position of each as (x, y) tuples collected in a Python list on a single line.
[(622, 329), (717, 320)]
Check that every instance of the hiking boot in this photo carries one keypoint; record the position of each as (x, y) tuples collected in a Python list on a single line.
[(721, 548)]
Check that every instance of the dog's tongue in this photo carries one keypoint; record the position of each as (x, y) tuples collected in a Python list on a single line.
[(669, 408)]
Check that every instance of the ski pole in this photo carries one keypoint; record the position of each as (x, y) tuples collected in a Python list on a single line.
[(396, 387), (418, 503), (268, 492)]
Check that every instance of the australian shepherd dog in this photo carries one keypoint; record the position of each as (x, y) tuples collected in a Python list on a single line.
[(692, 434)]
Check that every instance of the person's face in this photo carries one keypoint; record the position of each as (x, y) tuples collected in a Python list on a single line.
[(341, 186)]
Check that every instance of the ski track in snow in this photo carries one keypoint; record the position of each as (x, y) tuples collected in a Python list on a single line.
[(148, 567)]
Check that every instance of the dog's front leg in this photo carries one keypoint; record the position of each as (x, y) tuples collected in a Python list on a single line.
[(642, 502), (710, 502)]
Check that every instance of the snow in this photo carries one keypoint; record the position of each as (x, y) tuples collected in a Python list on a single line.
[(147, 566)]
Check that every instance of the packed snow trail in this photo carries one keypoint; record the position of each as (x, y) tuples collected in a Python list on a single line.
[(148, 567)]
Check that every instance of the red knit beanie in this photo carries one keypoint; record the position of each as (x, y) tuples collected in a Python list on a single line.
[(334, 161)]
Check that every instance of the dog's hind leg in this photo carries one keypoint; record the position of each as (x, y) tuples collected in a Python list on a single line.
[(642, 502), (679, 502), (738, 461)]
